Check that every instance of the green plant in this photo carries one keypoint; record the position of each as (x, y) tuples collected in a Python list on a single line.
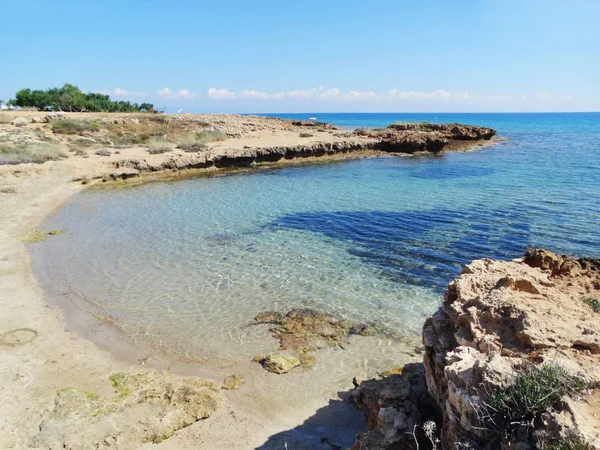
[(567, 444), (31, 153), (594, 303), (157, 145), (535, 390), (190, 143), (210, 136), (71, 126)]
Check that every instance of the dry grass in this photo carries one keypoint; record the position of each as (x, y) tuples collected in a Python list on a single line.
[(32, 153), (158, 145), (210, 136), (5, 118), (190, 143), (72, 126)]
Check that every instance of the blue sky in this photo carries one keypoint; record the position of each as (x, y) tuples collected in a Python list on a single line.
[(311, 56)]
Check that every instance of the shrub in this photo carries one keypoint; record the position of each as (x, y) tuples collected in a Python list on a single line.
[(157, 145), (71, 126), (535, 390), (103, 152), (80, 152), (32, 153), (594, 303), (306, 135), (122, 139), (210, 136), (567, 444), (190, 143)]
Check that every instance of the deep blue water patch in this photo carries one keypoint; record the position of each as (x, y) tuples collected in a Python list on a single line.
[(426, 248)]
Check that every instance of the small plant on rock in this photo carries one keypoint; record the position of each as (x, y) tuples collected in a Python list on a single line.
[(594, 303), (535, 390)]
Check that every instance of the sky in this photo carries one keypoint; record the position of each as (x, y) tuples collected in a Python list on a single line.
[(310, 56)]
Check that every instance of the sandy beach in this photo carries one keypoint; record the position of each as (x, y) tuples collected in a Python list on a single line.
[(42, 354)]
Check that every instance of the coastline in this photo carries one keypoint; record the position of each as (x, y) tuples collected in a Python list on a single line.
[(58, 354)]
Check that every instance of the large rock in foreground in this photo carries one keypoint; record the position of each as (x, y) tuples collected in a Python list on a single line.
[(505, 328)]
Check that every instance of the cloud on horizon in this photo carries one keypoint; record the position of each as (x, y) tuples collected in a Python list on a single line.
[(181, 94), (166, 92), (391, 96)]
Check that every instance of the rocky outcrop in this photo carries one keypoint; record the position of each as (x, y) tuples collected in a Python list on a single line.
[(501, 322), (247, 157), (449, 130), (415, 137)]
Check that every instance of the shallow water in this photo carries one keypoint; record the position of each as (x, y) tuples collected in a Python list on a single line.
[(185, 266)]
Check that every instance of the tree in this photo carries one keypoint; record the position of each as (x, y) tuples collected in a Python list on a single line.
[(71, 98)]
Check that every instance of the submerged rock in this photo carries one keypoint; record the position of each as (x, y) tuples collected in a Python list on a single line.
[(233, 382), (277, 363), (305, 330)]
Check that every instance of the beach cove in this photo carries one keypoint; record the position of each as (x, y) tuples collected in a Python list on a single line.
[(45, 347)]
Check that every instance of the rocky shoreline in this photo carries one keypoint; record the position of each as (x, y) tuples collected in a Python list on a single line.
[(512, 360), (124, 144)]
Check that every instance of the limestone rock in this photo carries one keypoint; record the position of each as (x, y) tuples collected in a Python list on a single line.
[(498, 314), (233, 382), (145, 407), (496, 318), (278, 363), (58, 115), (393, 406), (20, 121)]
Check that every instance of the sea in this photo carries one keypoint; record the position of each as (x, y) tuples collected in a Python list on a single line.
[(183, 267)]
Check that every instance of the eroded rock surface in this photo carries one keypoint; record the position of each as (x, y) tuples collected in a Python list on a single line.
[(496, 318), (145, 407), (415, 137)]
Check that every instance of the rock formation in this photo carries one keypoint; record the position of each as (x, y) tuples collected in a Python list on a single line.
[(145, 407), (303, 331), (426, 137), (502, 323)]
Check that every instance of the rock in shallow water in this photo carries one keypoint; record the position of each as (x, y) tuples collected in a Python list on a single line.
[(277, 363)]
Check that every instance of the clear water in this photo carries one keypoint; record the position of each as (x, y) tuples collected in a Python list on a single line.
[(185, 266)]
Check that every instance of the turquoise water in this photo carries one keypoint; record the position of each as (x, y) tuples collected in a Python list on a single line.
[(186, 265)]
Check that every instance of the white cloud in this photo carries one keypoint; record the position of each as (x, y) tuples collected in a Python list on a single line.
[(118, 92), (335, 94), (182, 93)]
